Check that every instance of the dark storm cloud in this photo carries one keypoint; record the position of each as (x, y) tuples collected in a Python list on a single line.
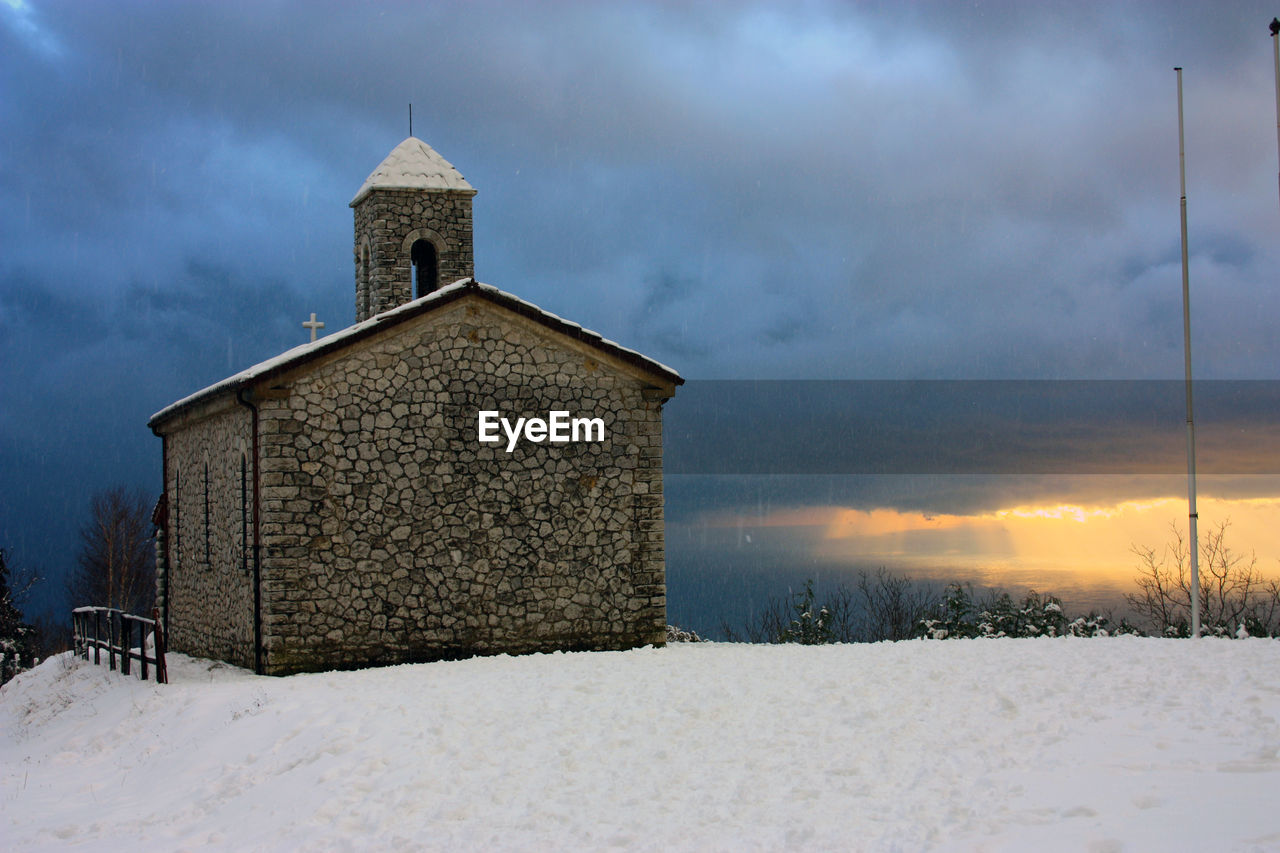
[(969, 427), (929, 190), (960, 447), (903, 191)]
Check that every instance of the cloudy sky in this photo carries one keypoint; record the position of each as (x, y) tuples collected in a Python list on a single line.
[(744, 191)]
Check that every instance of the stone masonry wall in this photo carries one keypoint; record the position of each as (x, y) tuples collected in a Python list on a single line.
[(390, 533), (207, 587), (386, 219)]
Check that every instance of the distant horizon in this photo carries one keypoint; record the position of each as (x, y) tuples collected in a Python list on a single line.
[(726, 565), (1042, 485)]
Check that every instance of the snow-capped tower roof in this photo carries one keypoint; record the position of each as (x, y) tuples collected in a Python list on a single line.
[(413, 165)]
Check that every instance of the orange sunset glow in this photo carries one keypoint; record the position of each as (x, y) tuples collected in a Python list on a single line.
[(1085, 540)]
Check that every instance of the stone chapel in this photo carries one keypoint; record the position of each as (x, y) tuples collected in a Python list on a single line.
[(336, 506)]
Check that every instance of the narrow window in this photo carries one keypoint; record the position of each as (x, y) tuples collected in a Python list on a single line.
[(177, 520), (362, 280), (425, 267), (207, 561), (244, 514)]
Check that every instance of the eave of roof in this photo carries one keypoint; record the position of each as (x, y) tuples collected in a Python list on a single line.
[(300, 355)]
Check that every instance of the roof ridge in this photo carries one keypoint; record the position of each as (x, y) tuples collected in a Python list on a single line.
[(305, 352)]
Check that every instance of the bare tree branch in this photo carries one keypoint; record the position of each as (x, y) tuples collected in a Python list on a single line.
[(1233, 593), (117, 559)]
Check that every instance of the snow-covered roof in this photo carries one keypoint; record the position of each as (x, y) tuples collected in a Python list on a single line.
[(413, 165), (322, 346)]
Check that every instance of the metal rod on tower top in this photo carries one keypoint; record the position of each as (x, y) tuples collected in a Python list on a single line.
[(1186, 347), (1275, 49), (411, 119)]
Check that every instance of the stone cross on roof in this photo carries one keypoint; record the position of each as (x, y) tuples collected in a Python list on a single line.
[(312, 324)]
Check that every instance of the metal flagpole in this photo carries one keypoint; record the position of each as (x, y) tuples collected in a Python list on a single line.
[(1186, 346), (1275, 48)]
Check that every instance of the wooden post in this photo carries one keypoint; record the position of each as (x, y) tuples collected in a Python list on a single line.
[(126, 637), (142, 647), (113, 639)]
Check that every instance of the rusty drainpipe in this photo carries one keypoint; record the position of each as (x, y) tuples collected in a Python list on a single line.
[(257, 564)]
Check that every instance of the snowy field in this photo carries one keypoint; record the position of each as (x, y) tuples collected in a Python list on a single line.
[(1104, 744)]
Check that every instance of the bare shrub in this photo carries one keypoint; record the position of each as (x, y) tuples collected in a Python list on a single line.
[(1235, 598), (879, 606)]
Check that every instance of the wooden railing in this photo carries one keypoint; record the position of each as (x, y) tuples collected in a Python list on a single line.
[(105, 629)]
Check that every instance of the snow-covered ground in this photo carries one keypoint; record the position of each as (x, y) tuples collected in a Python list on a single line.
[(1052, 744)]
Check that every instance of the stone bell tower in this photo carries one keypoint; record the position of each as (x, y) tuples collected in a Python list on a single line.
[(413, 229)]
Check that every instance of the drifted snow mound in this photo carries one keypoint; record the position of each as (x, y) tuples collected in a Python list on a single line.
[(1050, 744)]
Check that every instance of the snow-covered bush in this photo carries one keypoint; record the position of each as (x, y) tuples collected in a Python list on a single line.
[(958, 615), (17, 639), (811, 625), (884, 607), (679, 635), (953, 617), (1095, 625), (1036, 616)]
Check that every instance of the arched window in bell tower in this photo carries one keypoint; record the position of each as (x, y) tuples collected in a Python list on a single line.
[(426, 267)]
